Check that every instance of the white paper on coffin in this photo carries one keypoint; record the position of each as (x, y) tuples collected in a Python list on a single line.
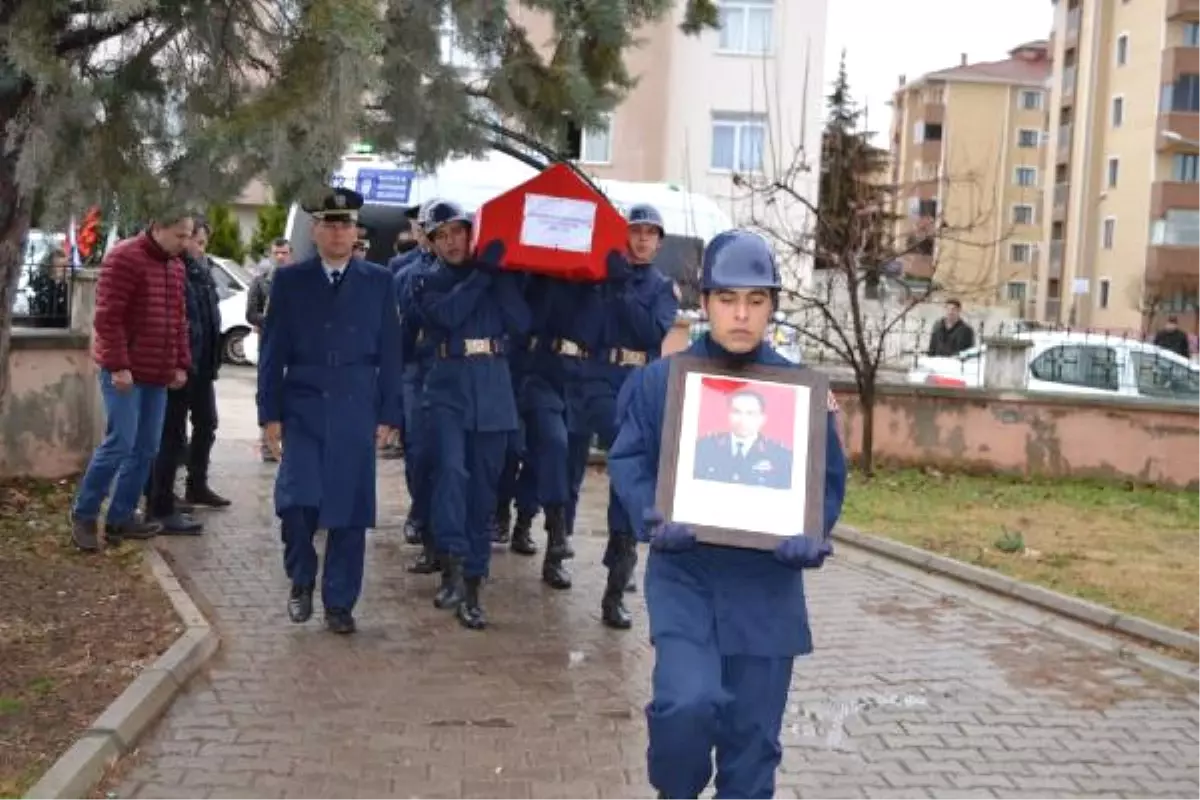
[(558, 223)]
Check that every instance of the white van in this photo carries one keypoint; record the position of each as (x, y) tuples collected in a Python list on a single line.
[(691, 219)]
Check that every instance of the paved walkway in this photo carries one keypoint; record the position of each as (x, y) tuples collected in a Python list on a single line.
[(910, 694)]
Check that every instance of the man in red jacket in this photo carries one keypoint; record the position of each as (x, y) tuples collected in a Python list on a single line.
[(141, 345)]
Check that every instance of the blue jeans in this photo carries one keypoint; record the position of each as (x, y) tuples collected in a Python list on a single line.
[(135, 420)]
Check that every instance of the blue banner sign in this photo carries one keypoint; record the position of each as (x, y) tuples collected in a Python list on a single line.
[(384, 185)]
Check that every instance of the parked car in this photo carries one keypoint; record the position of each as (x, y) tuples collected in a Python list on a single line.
[(1076, 363), (233, 281)]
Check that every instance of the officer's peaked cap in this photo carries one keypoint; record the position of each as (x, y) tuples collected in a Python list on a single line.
[(645, 214), (442, 213), (739, 259), (337, 205)]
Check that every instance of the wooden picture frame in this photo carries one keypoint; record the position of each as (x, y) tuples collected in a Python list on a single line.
[(749, 501)]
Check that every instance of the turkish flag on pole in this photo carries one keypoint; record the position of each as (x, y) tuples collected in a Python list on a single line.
[(553, 224)]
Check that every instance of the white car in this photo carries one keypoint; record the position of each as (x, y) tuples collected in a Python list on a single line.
[(1076, 363), (233, 282)]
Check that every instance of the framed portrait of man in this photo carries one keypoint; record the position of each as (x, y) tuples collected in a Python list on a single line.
[(742, 460)]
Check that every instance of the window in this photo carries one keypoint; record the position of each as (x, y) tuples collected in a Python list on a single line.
[(738, 141), (1191, 34), (1022, 214), (1185, 167), (1021, 252), (595, 144), (1179, 227), (1031, 100), (1091, 366), (1182, 95), (1114, 171), (1014, 291), (1158, 376), (1028, 138), (1122, 49), (1117, 116), (746, 26), (226, 285), (1026, 176), (1105, 291), (1108, 233)]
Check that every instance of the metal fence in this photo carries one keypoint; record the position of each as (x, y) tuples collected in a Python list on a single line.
[(43, 294)]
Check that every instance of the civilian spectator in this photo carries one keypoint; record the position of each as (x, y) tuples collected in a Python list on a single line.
[(140, 343), (951, 335), (1172, 338), (256, 309)]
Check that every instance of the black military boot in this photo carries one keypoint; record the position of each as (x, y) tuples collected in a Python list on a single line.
[(554, 574), (501, 525), (612, 606), (427, 563), (522, 537), (412, 531), (452, 591), (470, 612), (300, 603)]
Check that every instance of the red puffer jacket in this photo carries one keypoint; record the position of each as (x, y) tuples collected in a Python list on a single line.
[(141, 318)]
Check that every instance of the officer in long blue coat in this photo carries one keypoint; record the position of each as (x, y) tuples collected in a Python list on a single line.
[(329, 393), (637, 306), (471, 310), (418, 358), (726, 623)]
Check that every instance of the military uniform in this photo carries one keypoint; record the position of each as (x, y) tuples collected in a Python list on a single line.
[(761, 463), (329, 374)]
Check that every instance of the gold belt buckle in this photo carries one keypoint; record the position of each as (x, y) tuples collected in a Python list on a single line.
[(477, 347), (631, 358), (533, 342), (420, 337), (568, 348)]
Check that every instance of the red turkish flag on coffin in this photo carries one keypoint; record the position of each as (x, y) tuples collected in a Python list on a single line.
[(553, 224)]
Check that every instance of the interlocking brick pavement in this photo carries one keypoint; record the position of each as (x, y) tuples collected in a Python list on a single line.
[(911, 693)]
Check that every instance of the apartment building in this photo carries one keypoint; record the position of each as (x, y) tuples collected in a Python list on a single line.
[(712, 106), (1122, 230), (967, 151)]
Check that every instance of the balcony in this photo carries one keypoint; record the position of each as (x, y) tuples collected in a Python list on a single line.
[(1068, 82), (1184, 123), (1056, 258), (1064, 143), (934, 112), (1053, 310), (1171, 263), (929, 151), (1178, 61), (1183, 9), (1074, 17), (1058, 210), (1167, 195)]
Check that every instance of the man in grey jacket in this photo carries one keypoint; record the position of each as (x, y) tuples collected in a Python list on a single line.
[(256, 308)]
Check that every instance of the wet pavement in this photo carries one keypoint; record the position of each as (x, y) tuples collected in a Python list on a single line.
[(911, 693)]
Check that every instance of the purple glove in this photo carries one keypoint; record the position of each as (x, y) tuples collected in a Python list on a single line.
[(802, 552), (668, 537), (618, 266)]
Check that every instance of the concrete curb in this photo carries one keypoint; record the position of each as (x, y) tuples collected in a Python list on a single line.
[(116, 731), (1090, 613)]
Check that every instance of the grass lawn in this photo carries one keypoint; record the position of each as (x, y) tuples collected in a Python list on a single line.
[(75, 629), (1134, 549)]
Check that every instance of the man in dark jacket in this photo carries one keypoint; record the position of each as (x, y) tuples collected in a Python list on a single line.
[(140, 343), (197, 398), (256, 308), (951, 335), (1172, 338)]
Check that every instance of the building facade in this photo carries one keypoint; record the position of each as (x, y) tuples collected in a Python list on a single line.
[(1122, 230), (967, 149)]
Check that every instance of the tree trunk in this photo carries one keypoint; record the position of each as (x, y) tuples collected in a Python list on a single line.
[(866, 403), (14, 225)]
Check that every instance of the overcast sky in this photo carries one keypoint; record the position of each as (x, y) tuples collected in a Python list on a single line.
[(886, 38)]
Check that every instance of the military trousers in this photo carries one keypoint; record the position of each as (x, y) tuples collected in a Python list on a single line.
[(467, 465), (345, 557), (546, 432), (598, 420), (416, 452)]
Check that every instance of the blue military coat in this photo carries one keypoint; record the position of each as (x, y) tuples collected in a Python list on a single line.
[(329, 370), (637, 313), (757, 604), (765, 463), (460, 304), (561, 310), (418, 349)]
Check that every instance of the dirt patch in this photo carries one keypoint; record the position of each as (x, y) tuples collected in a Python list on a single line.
[(1130, 548), (75, 629)]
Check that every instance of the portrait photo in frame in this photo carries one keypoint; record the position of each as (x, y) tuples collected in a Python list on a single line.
[(742, 458)]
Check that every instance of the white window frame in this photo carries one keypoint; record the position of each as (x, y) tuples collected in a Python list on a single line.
[(1037, 138), (1032, 214), (1117, 101), (585, 157), (1017, 177), (1111, 180), (739, 122), (744, 8), (1103, 293), (1024, 298), (1038, 106), (1108, 233), (1121, 58), (1030, 248)]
